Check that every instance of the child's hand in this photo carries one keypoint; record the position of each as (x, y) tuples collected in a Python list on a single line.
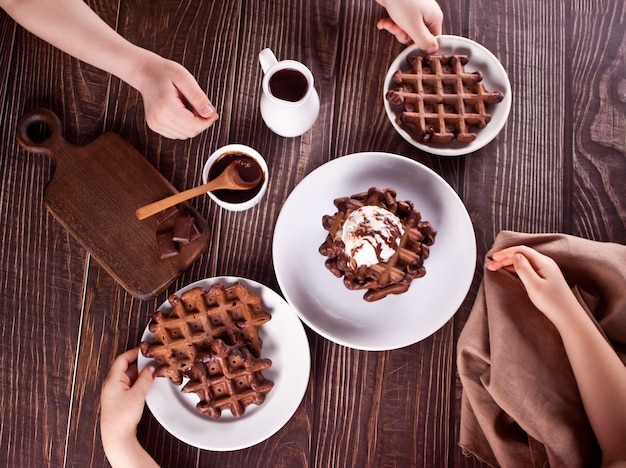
[(542, 278), (175, 105), (417, 21), (123, 397)]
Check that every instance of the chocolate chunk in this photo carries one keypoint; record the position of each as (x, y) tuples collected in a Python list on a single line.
[(166, 214), (166, 245), (195, 232), (183, 228)]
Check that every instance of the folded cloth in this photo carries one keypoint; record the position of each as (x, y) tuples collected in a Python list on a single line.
[(520, 403)]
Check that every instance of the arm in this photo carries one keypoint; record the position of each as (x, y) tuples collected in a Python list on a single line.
[(599, 373), (166, 86), (121, 405), (416, 21)]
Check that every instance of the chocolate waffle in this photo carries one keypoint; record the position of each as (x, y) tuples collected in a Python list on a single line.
[(197, 318), (393, 276), (228, 377), (440, 100), (238, 305)]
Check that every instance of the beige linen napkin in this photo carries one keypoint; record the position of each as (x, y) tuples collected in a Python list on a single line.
[(520, 403)]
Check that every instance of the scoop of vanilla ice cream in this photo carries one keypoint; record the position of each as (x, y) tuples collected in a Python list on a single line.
[(371, 235)]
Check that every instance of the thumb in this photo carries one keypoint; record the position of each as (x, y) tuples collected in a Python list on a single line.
[(195, 97), (144, 381), (423, 38), (525, 270)]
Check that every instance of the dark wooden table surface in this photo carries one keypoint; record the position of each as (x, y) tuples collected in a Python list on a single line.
[(559, 165)]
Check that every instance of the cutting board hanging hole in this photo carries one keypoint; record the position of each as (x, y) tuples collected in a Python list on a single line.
[(38, 132), (37, 129)]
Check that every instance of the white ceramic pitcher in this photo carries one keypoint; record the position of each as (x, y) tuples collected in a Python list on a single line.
[(289, 104)]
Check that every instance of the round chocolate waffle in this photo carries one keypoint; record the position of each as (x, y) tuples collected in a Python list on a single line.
[(380, 279), (228, 377), (198, 317)]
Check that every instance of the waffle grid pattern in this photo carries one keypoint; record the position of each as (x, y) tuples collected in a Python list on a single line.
[(228, 378), (440, 101), (220, 326)]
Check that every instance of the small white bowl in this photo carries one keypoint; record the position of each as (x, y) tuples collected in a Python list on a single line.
[(236, 149), (495, 78)]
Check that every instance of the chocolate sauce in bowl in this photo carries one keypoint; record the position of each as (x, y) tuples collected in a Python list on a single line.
[(247, 168)]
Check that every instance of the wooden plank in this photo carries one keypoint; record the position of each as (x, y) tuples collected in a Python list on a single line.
[(516, 173), (293, 30), (542, 177), (42, 269), (8, 30), (597, 96), (381, 419), (514, 183), (165, 28), (418, 430)]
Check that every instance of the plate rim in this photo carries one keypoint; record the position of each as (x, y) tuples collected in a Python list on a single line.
[(307, 179), (443, 151), (142, 361)]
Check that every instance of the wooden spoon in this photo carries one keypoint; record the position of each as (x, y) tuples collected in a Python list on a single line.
[(229, 179)]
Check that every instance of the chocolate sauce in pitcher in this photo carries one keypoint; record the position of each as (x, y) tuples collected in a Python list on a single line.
[(288, 84)]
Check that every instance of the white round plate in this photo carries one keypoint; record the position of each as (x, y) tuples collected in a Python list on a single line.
[(284, 342), (495, 78), (321, 299)]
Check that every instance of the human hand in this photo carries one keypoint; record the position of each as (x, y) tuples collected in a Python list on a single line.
[(417, 21), (122, 399), (175, 105), (546, 287)]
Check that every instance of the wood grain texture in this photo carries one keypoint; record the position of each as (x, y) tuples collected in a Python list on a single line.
[(558, 165), (93, 194), (41, 274), (598, 92)]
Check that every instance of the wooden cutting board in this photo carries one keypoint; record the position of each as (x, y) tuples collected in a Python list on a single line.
[(94, 192)]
